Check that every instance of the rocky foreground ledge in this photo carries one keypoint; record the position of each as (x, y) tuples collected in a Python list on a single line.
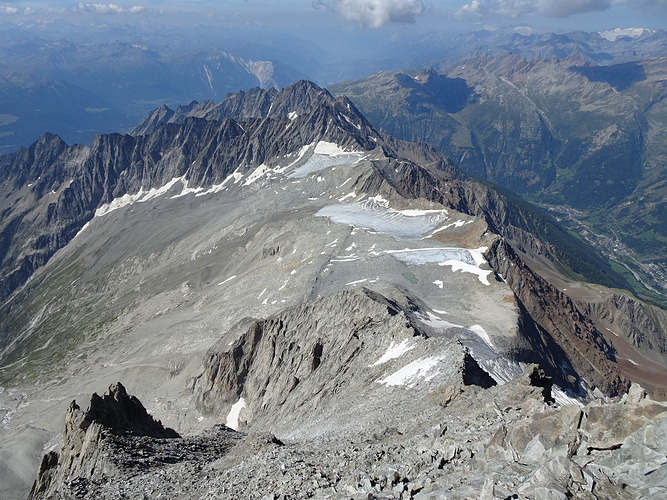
[(501, 442)]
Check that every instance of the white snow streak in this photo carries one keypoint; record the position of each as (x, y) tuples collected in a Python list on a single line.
[(477, 256), (411, 374), (394, 351), (482, 334), (257, 173), (233, 416), (140, 197)]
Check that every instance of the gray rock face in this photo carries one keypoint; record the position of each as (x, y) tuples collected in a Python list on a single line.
[(319, 369), (90, 437), (300, 98)]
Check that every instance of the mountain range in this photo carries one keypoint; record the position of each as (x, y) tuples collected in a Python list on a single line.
[(123, 71), (276, 264)]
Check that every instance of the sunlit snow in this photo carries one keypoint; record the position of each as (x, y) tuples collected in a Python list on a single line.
[(482, 334), (411, 374), (325, 155), (371, 214), (140, 197), (256, 174), (394, 351), (233, 416), (613, 34), (466, 267)]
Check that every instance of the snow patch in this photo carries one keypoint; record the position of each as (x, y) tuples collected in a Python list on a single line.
[(233, 416), (140, 197), (482, 334), (330, 149), (477, 256), (613, 34), (394, 351), (419, 213), (379, 200), (456, 265), (82, 229), (563, 399), (358, 127), (457, 223), (346, 258), (353, 194), (257, 174), (325, 155), (437, 323), (411, 374), (612, 331)]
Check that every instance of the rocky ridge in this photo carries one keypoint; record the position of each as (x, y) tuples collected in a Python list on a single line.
[(310, 370), (501, 442)]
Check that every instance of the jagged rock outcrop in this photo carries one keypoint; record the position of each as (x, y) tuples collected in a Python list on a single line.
[(114, 420), (295, 100)]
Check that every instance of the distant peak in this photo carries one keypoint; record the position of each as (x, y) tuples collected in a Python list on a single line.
[(614, 34)]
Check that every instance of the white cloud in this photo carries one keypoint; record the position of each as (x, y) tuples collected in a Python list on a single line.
[(375, 13), (111, 8), (517, 8), (8, 10)]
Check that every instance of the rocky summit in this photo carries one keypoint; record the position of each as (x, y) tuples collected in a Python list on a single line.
[(316, 309)]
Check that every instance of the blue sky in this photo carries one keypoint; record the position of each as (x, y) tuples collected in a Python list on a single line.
[(560, 15)]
